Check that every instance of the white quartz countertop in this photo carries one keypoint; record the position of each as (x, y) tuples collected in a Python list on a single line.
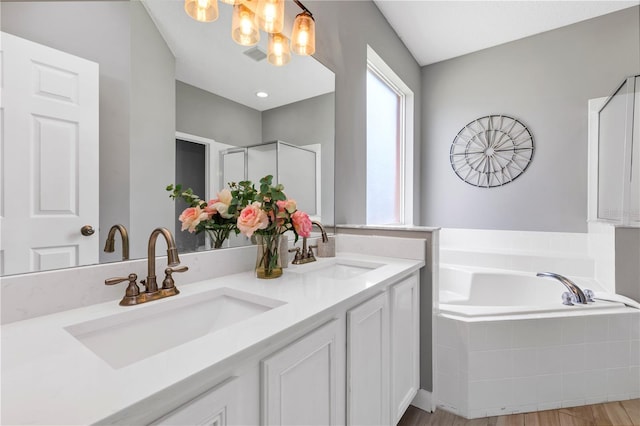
[(50, 377), (417, 228)]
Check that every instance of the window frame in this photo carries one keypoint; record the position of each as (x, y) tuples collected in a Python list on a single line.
[(381, 70)]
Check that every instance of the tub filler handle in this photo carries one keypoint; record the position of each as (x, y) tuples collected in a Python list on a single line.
[(570, 285)]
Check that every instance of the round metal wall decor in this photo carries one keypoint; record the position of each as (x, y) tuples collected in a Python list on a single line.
[(491, 151)]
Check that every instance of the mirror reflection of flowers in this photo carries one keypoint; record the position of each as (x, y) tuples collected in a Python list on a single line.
[(213, 217)]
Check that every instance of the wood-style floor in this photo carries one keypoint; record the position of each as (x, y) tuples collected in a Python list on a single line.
[(625, 413)]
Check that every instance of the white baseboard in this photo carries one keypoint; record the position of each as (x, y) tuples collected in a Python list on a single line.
[(424, 400)]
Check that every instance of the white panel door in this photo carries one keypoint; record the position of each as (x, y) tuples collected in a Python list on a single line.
[(405, 344), (49, 148), (300, 382), (368, 363)]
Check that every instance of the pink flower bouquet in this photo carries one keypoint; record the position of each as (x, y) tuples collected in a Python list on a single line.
[(268, 215), (212, 217)]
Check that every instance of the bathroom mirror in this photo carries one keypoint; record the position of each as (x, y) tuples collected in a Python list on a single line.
[(153, 92)]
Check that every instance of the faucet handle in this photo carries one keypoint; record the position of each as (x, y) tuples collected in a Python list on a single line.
[(168, 281), (568, 298), (132, 288), (589, 295), (298, 256), (310, 254)]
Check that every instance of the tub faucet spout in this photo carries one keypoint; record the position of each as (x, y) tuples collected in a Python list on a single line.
[(570, 285)]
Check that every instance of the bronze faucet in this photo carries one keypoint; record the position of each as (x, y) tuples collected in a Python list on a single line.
[(109, 246), (133, 296), (306, 255)]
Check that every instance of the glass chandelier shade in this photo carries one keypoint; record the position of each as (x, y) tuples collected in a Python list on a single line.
[(250, 16), (303, 35), (244, 28), (278, 52), (202, 10), (270, 14)]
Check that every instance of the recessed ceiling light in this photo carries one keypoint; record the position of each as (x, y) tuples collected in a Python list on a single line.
[(262, 94)]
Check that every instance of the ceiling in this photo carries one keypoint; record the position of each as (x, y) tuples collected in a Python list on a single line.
[(434, 31), (208, 58)]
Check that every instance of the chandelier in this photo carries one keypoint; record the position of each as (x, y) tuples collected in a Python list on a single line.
[(251, 16)]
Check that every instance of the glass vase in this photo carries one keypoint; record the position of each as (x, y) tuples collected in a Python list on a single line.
[(218, 236), (268, 264)]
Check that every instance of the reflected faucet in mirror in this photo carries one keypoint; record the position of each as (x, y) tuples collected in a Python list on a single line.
[(133, 296), (109, 246), (306, 254)]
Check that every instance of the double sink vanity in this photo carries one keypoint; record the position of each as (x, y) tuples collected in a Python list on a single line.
[(330, 342)]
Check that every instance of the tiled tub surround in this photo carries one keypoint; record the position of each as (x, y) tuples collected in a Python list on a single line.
[(499, 356), (45, 367), (492, 367)]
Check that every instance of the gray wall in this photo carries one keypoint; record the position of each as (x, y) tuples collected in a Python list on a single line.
[(545, 81), (311, 121), (100, 32), (205, 114), (152, 131), (343, 30), (627, 241)]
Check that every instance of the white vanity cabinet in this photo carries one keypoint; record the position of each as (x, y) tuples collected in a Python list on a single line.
[(361, 366), (303, 383), (405, 344), (368, 362), (383, 350)]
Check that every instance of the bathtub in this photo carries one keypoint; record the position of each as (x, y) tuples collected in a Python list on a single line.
[(474, 292), (506, 344)]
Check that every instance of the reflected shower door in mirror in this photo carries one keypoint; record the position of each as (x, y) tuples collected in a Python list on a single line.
[(159, 73), (297, 168)]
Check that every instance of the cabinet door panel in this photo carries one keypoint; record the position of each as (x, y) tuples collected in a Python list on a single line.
[(300, 382), (368, 362), (215, 408), (405, 344), (234, 402)]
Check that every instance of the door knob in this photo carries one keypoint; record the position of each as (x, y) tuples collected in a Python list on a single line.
[(87, 230)]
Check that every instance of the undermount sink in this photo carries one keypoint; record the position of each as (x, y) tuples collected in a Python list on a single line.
[(340, 269), (128, 337)]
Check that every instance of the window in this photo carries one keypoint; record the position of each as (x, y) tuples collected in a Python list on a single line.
[(389, 142)]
